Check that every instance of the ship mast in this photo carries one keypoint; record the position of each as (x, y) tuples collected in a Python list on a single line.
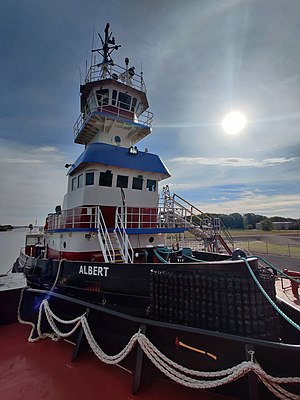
[(106, 49)]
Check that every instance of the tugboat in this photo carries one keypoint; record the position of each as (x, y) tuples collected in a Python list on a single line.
[(118, 251)]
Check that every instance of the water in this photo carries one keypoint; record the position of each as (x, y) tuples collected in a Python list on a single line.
[(10, 244)]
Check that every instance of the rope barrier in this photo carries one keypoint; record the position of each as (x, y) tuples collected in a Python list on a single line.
[(176, 372)]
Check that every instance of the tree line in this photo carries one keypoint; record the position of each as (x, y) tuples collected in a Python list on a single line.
[(249, 221)]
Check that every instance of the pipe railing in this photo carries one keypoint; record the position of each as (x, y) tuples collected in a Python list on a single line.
[(116, 110), (117, 73), (123, 239)]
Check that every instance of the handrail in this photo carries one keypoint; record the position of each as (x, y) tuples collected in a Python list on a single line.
[(223, 227), (23, 258), (116, 72), (104, 238), (93, 105), (192, 206), (124, 244), (209, 226)]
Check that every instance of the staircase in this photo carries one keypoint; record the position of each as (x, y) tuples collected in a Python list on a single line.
[(115, 246), (177, 212)]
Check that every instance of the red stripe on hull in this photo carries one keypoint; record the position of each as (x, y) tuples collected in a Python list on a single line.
[(76, 256)]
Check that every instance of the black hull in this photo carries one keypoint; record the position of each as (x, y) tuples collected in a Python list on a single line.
[(218, 296)]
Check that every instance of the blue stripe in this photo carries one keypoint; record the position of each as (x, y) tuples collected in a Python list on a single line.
[(129, 231), (145, 231)]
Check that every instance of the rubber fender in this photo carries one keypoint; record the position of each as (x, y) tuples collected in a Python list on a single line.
[(238, 253)]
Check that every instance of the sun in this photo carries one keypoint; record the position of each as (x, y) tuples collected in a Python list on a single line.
[(234, 122)]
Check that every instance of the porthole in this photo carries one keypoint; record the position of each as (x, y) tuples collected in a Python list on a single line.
[(151, 239), (65, 245)]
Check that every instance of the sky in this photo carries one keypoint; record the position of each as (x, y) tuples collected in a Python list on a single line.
[(200, 59)]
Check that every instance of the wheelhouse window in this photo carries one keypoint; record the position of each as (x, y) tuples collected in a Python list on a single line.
[(133, 104), (106, 179), (74, 180), (89, 178), (151, 185), (102, 97), (124, 100), (80, 181), (137, 183), (122, 181), (114, 97)]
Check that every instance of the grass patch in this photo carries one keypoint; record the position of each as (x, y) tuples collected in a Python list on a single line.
[(255, 232), (257, 246)]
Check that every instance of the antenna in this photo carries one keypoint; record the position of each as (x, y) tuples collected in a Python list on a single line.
[(142, 79), (93, 41), (106, 49)]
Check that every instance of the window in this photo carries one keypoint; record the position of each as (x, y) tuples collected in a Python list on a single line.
[(106, 178), (80, 181), (124, 100), (122, 181), (114, 97), (89, 178), (151, 185), (102, 97), (137, 183), (74, 183), (133, 104)]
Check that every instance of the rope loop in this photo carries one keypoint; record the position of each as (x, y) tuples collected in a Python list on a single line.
[(178, 373)]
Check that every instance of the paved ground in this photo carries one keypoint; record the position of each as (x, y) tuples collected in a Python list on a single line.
[(279, 261), (282, 262)]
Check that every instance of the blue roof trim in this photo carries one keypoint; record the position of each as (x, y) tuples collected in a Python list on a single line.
[(110, 155)]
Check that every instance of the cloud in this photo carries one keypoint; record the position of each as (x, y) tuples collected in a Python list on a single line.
[(287, 205), (233, 162), (30, 186)]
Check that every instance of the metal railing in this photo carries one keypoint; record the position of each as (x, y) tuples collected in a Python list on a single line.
[(115, 110), (104, 238), (79, 217), (23, 258), (123, 239), (116, 72)]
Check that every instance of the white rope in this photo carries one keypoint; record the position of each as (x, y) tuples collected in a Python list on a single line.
[(57, 274), (174, 371), (50, 317), (22, 321), (100, 353)]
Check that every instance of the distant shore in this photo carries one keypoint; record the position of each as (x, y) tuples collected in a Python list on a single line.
[(4, 228)]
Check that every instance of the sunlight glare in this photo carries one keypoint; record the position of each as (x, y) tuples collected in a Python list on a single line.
[(234, 122)]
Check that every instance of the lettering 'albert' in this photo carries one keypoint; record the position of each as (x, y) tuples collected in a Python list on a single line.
[(93, 270)]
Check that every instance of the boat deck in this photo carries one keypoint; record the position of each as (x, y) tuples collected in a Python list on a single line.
[(43, 370), (285, 294)]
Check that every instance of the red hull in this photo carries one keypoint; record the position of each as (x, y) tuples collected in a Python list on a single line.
[(43, 370), (75, 256)]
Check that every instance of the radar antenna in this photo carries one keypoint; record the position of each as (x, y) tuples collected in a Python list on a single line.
[(106, 49)]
